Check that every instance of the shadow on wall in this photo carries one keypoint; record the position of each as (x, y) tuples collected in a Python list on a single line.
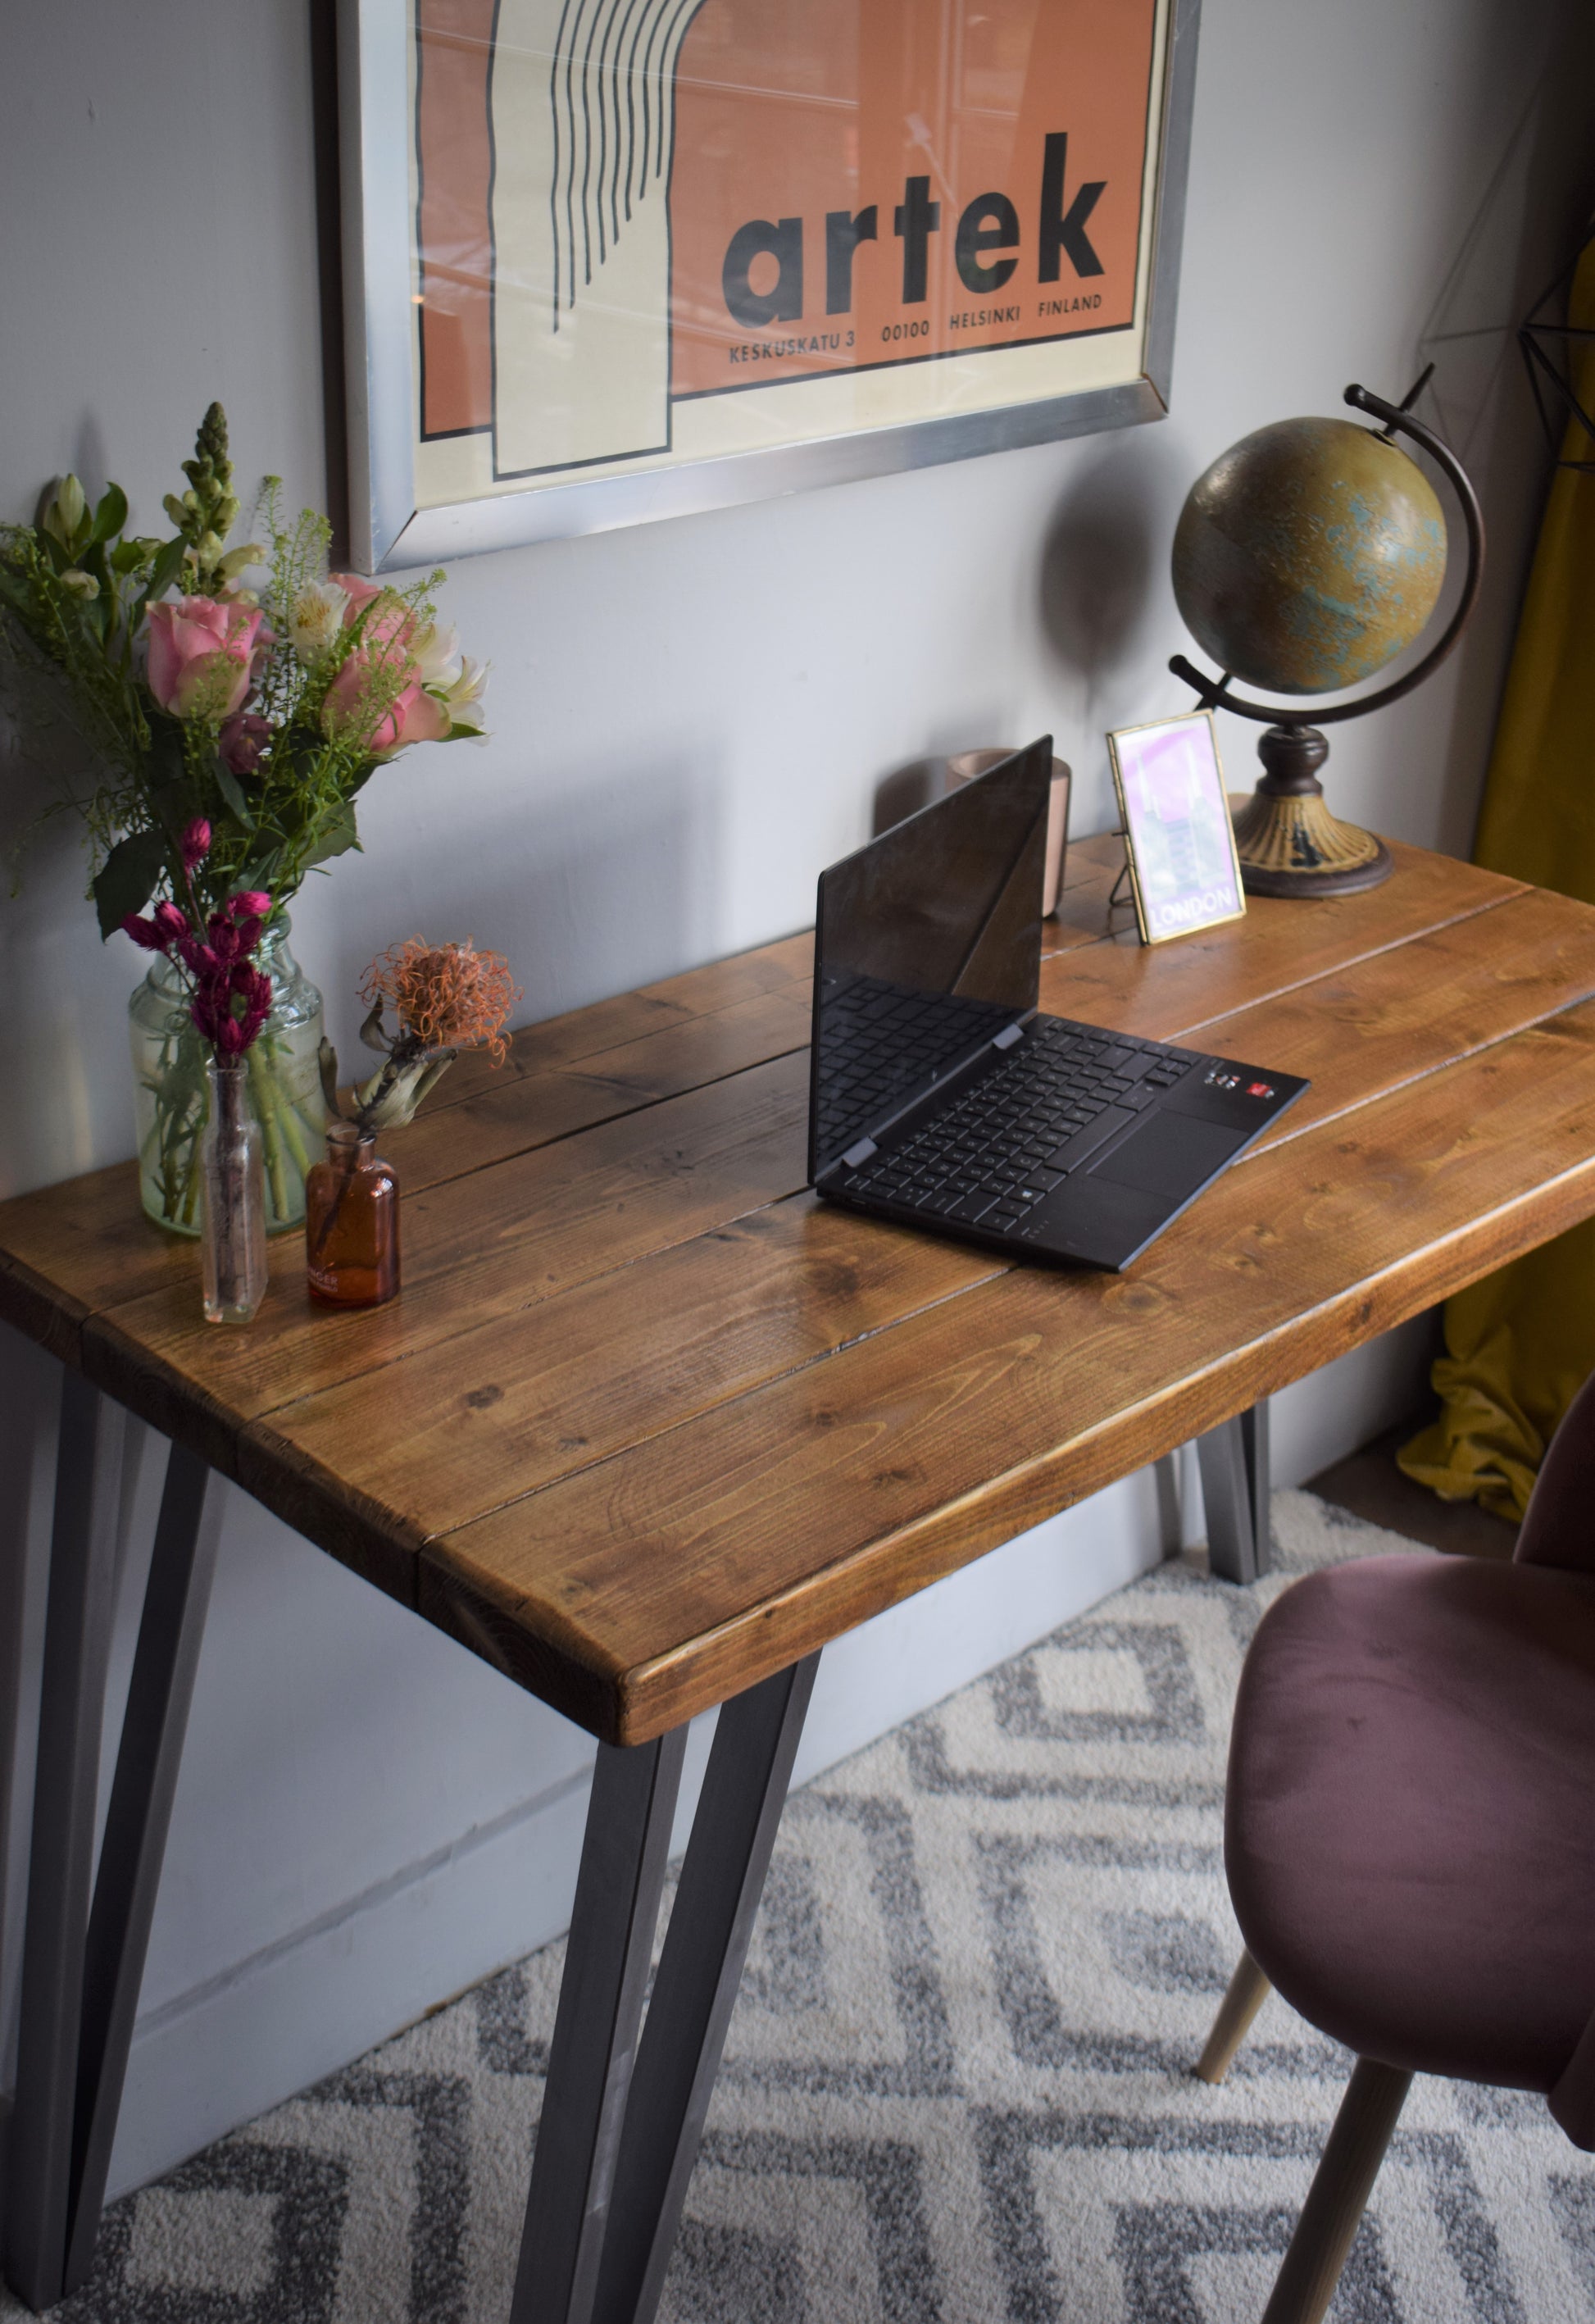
[(611, 883), (63, 1031), (903, 790), (1104, 560), (1105, 600)]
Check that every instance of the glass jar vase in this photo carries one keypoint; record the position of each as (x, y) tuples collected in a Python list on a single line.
[(352, 1222), (232, 1197), (171, 1099)]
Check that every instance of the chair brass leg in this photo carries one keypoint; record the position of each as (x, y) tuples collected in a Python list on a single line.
[(1339, 2194), (1248, 1989)]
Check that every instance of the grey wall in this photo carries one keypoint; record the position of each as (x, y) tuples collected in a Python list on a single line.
[(689, 719)]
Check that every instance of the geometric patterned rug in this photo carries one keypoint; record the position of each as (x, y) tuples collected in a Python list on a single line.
[(957, 2086)]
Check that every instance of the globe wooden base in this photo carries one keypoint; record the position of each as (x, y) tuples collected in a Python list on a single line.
[(1287, 840)]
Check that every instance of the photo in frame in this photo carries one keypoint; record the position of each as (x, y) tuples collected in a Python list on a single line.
[(1179, 843), (606, 261)]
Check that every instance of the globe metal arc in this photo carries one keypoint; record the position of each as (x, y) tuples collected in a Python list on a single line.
[(1297, 595)]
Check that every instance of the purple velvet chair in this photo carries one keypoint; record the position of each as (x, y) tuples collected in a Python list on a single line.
[(1409, 1835)]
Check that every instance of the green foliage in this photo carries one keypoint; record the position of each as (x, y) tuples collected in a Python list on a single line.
[(75, 589), (129, 877), (207, 512)]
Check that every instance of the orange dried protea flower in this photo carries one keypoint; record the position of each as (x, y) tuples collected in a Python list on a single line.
[(447, 996)]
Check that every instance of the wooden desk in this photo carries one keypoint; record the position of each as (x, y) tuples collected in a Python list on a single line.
[(650, 1425)]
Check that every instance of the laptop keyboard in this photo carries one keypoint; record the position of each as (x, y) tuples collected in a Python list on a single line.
[(1005, 1144), (880, 1042)]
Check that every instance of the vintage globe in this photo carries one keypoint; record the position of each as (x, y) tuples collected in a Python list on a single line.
[(1308, 556)]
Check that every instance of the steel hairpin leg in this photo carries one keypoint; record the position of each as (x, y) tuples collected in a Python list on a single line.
[(87, 1934), (1234, 1463), (622, 2118)]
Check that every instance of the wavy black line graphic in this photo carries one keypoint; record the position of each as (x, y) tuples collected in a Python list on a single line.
[(612, 108)]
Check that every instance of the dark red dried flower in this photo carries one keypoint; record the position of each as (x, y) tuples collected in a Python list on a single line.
[(232, 997)]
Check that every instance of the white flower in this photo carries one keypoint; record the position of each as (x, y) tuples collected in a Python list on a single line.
[(438, 660), (452, 678), (470, 687), (80, 584), (315, 619), (465, 698)]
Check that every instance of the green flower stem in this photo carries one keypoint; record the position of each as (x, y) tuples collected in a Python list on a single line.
[(184, 1126), (191, 1194), (293, 1130), (264, 1092)]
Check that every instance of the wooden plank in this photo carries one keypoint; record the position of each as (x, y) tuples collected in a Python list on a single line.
[(788, 960), (501, 1412), (89, 1242), (1171, 992), (1387, 1018), (35, 1308), (485, 1245), (85, 1244), (581, 1033), (1089, 858), (684, 1569), (1090, 868), (82, 1244), (419, 1447), (701, 1049), (535, 1108), (1505, 985), (1084, 917)]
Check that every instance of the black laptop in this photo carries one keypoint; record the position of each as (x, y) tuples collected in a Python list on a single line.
[(938, 1095)]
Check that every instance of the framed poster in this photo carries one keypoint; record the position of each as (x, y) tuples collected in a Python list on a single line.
[(1179, 843), (613, 259)]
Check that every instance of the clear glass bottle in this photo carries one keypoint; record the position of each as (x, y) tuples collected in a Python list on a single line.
[(352, 1222), (170, 1090), (232, 1197)]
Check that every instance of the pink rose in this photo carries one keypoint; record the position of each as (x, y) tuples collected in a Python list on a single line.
[(244, 738), (346, 713), (359, 592), (415, 717), (380, 613), (200, 657), (347, 700)]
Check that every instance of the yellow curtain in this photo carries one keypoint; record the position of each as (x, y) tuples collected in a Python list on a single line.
[(1519, 1344)]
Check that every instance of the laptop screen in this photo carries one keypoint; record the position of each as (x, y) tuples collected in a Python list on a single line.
[(928, 943)]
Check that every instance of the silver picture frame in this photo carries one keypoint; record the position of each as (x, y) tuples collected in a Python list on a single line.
[(389, 532)]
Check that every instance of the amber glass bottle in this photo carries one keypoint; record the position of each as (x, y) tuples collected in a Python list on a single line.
[(352, 1222)]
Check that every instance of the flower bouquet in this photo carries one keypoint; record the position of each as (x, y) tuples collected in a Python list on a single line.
[(247, 690)]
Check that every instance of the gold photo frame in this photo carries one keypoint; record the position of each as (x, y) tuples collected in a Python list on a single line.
[(1179, 843)]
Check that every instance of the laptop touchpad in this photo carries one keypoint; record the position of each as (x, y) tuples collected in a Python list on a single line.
[(1169, 1155)]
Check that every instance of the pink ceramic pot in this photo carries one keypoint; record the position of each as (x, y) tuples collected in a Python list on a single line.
[(967, 764)]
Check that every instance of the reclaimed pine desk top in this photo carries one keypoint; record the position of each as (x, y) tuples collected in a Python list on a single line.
[(649, 1422)]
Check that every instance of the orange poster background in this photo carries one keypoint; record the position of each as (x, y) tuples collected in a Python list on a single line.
[(453, 147), (962, 91), (792, 109)]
